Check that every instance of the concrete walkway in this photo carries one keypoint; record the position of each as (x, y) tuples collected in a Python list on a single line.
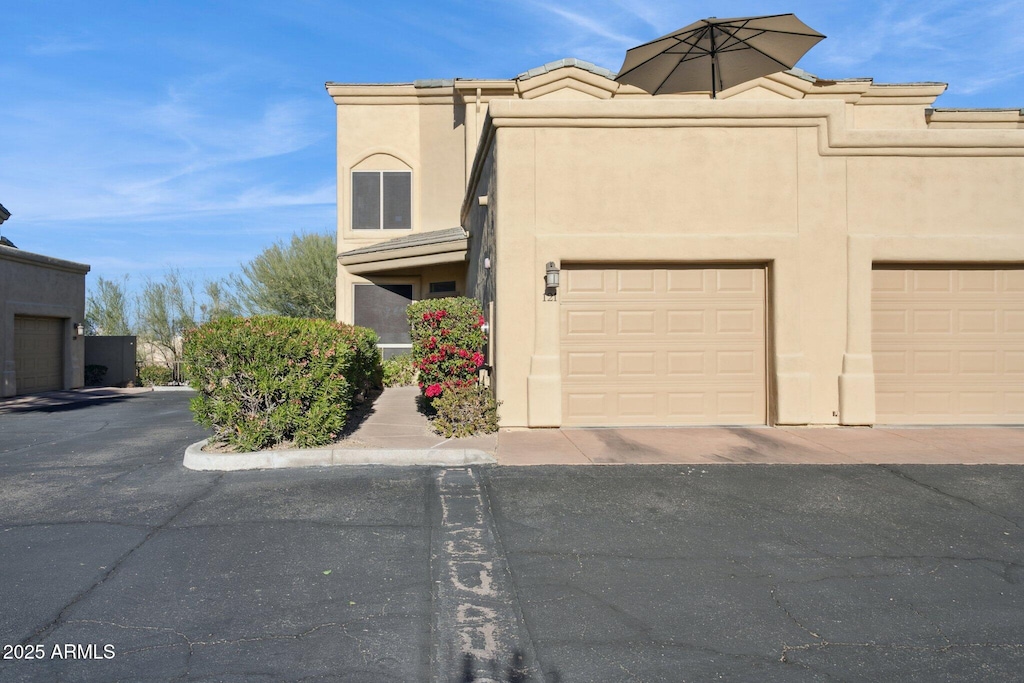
[(763, 445)]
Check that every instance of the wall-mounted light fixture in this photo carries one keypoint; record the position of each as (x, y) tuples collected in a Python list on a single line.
[(551, 280), (79, 329)]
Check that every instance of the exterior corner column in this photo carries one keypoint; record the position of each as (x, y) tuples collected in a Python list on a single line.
[(792, 381), (544, 383), (9, 386), (857, 381)]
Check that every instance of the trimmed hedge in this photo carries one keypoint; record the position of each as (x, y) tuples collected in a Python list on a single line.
[(155, 375), (399, 371), (465, 411), (447, 337), (267, 380)]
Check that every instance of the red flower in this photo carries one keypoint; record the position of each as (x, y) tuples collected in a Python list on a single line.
[(478, 358), (426, 317), (433, 390)]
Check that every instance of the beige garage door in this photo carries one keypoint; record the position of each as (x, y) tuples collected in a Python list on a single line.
[(948, 346), (663, 346), (38, 354)]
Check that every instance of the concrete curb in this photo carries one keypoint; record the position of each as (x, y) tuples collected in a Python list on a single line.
[(172, 388), (197, 459)]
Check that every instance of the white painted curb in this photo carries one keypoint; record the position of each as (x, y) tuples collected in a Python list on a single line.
[(197, 459)]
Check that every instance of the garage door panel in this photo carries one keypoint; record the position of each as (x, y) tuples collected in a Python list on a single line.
[(636, 322), (932, 281), (740, 321), (1014, 322), (635, 281), (676, 346), (685, 281), (948, 347)]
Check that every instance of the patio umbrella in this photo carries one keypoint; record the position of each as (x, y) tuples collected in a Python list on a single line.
[(718, 52)]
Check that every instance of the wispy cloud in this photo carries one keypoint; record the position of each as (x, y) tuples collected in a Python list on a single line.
[(139, 160), (588, 24), (973, 46), (58, 46)]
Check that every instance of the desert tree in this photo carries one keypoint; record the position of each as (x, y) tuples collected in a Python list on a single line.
[(295, 278), (109, 308)]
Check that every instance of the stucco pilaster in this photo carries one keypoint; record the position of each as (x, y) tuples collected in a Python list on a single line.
[(792, 386), (857, 382), (544, 384)]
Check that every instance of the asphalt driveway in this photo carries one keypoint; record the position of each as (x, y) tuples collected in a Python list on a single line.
[(116, 563)]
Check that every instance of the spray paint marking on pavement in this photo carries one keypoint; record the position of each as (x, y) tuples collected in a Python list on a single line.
[(476, 613)]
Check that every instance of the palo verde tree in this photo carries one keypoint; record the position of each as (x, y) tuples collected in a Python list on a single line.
[(109, 309), (294, 279), (167, 308)]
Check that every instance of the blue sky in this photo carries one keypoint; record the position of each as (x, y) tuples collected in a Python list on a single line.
[(139, 136)]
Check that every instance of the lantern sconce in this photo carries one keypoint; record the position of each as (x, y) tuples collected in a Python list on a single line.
[(550, 281), (79, 329)]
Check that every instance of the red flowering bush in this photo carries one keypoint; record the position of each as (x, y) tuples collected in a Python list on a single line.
[(447, 338)]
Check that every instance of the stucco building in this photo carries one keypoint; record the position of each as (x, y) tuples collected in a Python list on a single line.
[(797, 251), (42, 306)]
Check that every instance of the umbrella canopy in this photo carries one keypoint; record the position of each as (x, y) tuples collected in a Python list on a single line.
[(719, 53)]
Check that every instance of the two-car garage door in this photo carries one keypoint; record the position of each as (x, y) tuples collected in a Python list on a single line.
[(663, 346), (948, 345)]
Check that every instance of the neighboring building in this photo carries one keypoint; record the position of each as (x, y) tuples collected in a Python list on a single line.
[(798, 251), (42, 306)]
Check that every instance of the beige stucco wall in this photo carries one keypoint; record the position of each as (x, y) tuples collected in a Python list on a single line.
[(814, 180), (431, 131), (36, 285), (791, 185)]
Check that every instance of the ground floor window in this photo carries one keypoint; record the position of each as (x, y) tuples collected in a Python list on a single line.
[(381, 307)]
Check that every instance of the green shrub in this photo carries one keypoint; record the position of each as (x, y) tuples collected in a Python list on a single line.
[(94, 374), (268, 380), (447, 339), (399, 371), (155, 375), (465, 411)]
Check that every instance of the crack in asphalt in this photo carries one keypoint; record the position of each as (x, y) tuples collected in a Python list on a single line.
[(789, 615), (31, 525), (786, 649), (56, 621), (934, 489), (309, 522)]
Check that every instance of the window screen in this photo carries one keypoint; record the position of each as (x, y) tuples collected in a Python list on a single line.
[(382, 308), (365, 200), (397, 200)]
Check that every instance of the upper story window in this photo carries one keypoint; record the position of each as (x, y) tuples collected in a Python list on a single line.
[(381, 200)]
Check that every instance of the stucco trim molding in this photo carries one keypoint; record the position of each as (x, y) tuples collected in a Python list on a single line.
[(835, 137), (20, 256)]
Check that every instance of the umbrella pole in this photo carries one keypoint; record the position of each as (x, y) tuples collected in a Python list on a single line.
[(714, 58)]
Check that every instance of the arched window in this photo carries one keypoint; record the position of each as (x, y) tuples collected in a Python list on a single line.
[(381, 199)]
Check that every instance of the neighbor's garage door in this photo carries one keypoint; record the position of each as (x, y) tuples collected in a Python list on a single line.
[(38, 354), (663, 346), (948, 346)]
